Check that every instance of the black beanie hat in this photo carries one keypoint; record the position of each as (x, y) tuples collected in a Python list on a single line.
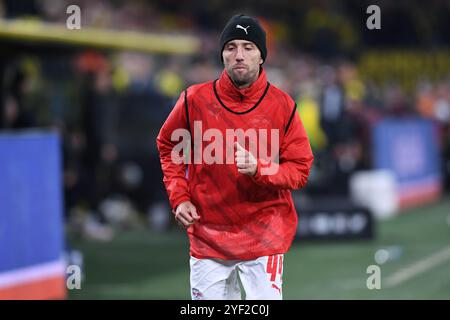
[(244, 28)]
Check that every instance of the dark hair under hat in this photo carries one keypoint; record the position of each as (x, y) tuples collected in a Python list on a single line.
[(243, 27)]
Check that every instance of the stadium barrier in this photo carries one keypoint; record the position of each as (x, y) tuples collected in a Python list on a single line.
[(334, 218)]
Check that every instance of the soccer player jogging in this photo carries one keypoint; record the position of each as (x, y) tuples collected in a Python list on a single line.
[(231, 152)]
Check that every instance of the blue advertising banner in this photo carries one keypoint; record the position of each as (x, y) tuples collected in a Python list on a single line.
[(31, 209), (409, 148)]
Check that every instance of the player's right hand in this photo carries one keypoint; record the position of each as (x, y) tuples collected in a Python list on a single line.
[(186, 214)]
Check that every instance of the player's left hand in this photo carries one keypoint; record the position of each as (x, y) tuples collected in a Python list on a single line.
[(246, 163)]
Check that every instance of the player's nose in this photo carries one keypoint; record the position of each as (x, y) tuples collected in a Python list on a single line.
[(239, 54)]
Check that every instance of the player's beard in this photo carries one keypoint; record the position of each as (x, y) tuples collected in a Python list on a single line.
[(243, 79)]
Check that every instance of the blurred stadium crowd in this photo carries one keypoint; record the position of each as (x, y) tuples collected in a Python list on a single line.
[(109, 105)]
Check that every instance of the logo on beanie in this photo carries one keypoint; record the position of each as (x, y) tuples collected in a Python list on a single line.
[(241, 27)]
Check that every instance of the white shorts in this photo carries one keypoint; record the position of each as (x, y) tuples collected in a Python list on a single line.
[(215, 279)]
